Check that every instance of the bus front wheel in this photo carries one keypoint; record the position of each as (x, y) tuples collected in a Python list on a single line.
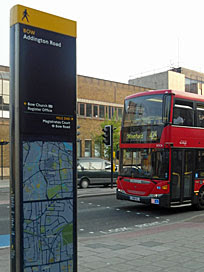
[(200, 204)]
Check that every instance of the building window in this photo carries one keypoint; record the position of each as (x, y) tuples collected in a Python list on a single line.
[(97, 149), (81, 109), (6, 87), (113, 111), (4, 98), (95, 111), (194, 86), (78, 148), (187, 84), (1, 87), (101, 111), (88, 148), (120, 113), (88, 110), (77, 108), (109, 112)]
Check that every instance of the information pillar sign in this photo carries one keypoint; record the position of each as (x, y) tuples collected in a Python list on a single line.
[(43, 141)]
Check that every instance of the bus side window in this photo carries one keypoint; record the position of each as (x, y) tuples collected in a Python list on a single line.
[(177, 118), (183, 114), (200, 115), (188, 117)]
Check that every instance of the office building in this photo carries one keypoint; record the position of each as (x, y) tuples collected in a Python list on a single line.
[(180, 78)]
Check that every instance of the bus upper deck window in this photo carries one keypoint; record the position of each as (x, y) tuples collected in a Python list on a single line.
[(183, 113)]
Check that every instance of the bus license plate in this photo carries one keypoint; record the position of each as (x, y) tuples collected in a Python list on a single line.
[(154, 201), (134, 198)]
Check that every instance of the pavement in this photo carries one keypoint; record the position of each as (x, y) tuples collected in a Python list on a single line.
[(4, 183), (172, 247)]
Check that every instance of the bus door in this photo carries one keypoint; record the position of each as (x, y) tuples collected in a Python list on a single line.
[(182, 175)]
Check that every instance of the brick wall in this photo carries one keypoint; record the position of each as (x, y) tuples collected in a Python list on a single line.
[(4, 135), (105, 91)]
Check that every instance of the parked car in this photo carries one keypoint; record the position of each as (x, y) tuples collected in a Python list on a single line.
[(94, 171)]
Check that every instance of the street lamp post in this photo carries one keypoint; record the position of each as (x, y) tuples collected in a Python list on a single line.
[(2, 143)]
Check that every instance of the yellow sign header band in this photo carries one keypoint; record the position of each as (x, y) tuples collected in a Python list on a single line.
[(32, 17)]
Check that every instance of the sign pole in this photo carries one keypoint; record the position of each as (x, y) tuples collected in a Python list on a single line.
[(43, 142)]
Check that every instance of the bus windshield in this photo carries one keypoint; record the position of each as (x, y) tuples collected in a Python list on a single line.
[(145, 117), (143, 110), (144, 163)]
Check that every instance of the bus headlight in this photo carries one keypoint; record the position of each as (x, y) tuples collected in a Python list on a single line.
[(121, 191)]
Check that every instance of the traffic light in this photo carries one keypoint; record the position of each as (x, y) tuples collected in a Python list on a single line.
[(107, 135)]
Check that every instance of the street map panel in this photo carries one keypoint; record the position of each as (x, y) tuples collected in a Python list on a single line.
[(48, 206)]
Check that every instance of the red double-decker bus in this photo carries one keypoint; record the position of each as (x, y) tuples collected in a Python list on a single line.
[(162, 149)]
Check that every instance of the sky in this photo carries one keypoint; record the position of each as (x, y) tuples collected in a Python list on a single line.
[(119, 40)]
